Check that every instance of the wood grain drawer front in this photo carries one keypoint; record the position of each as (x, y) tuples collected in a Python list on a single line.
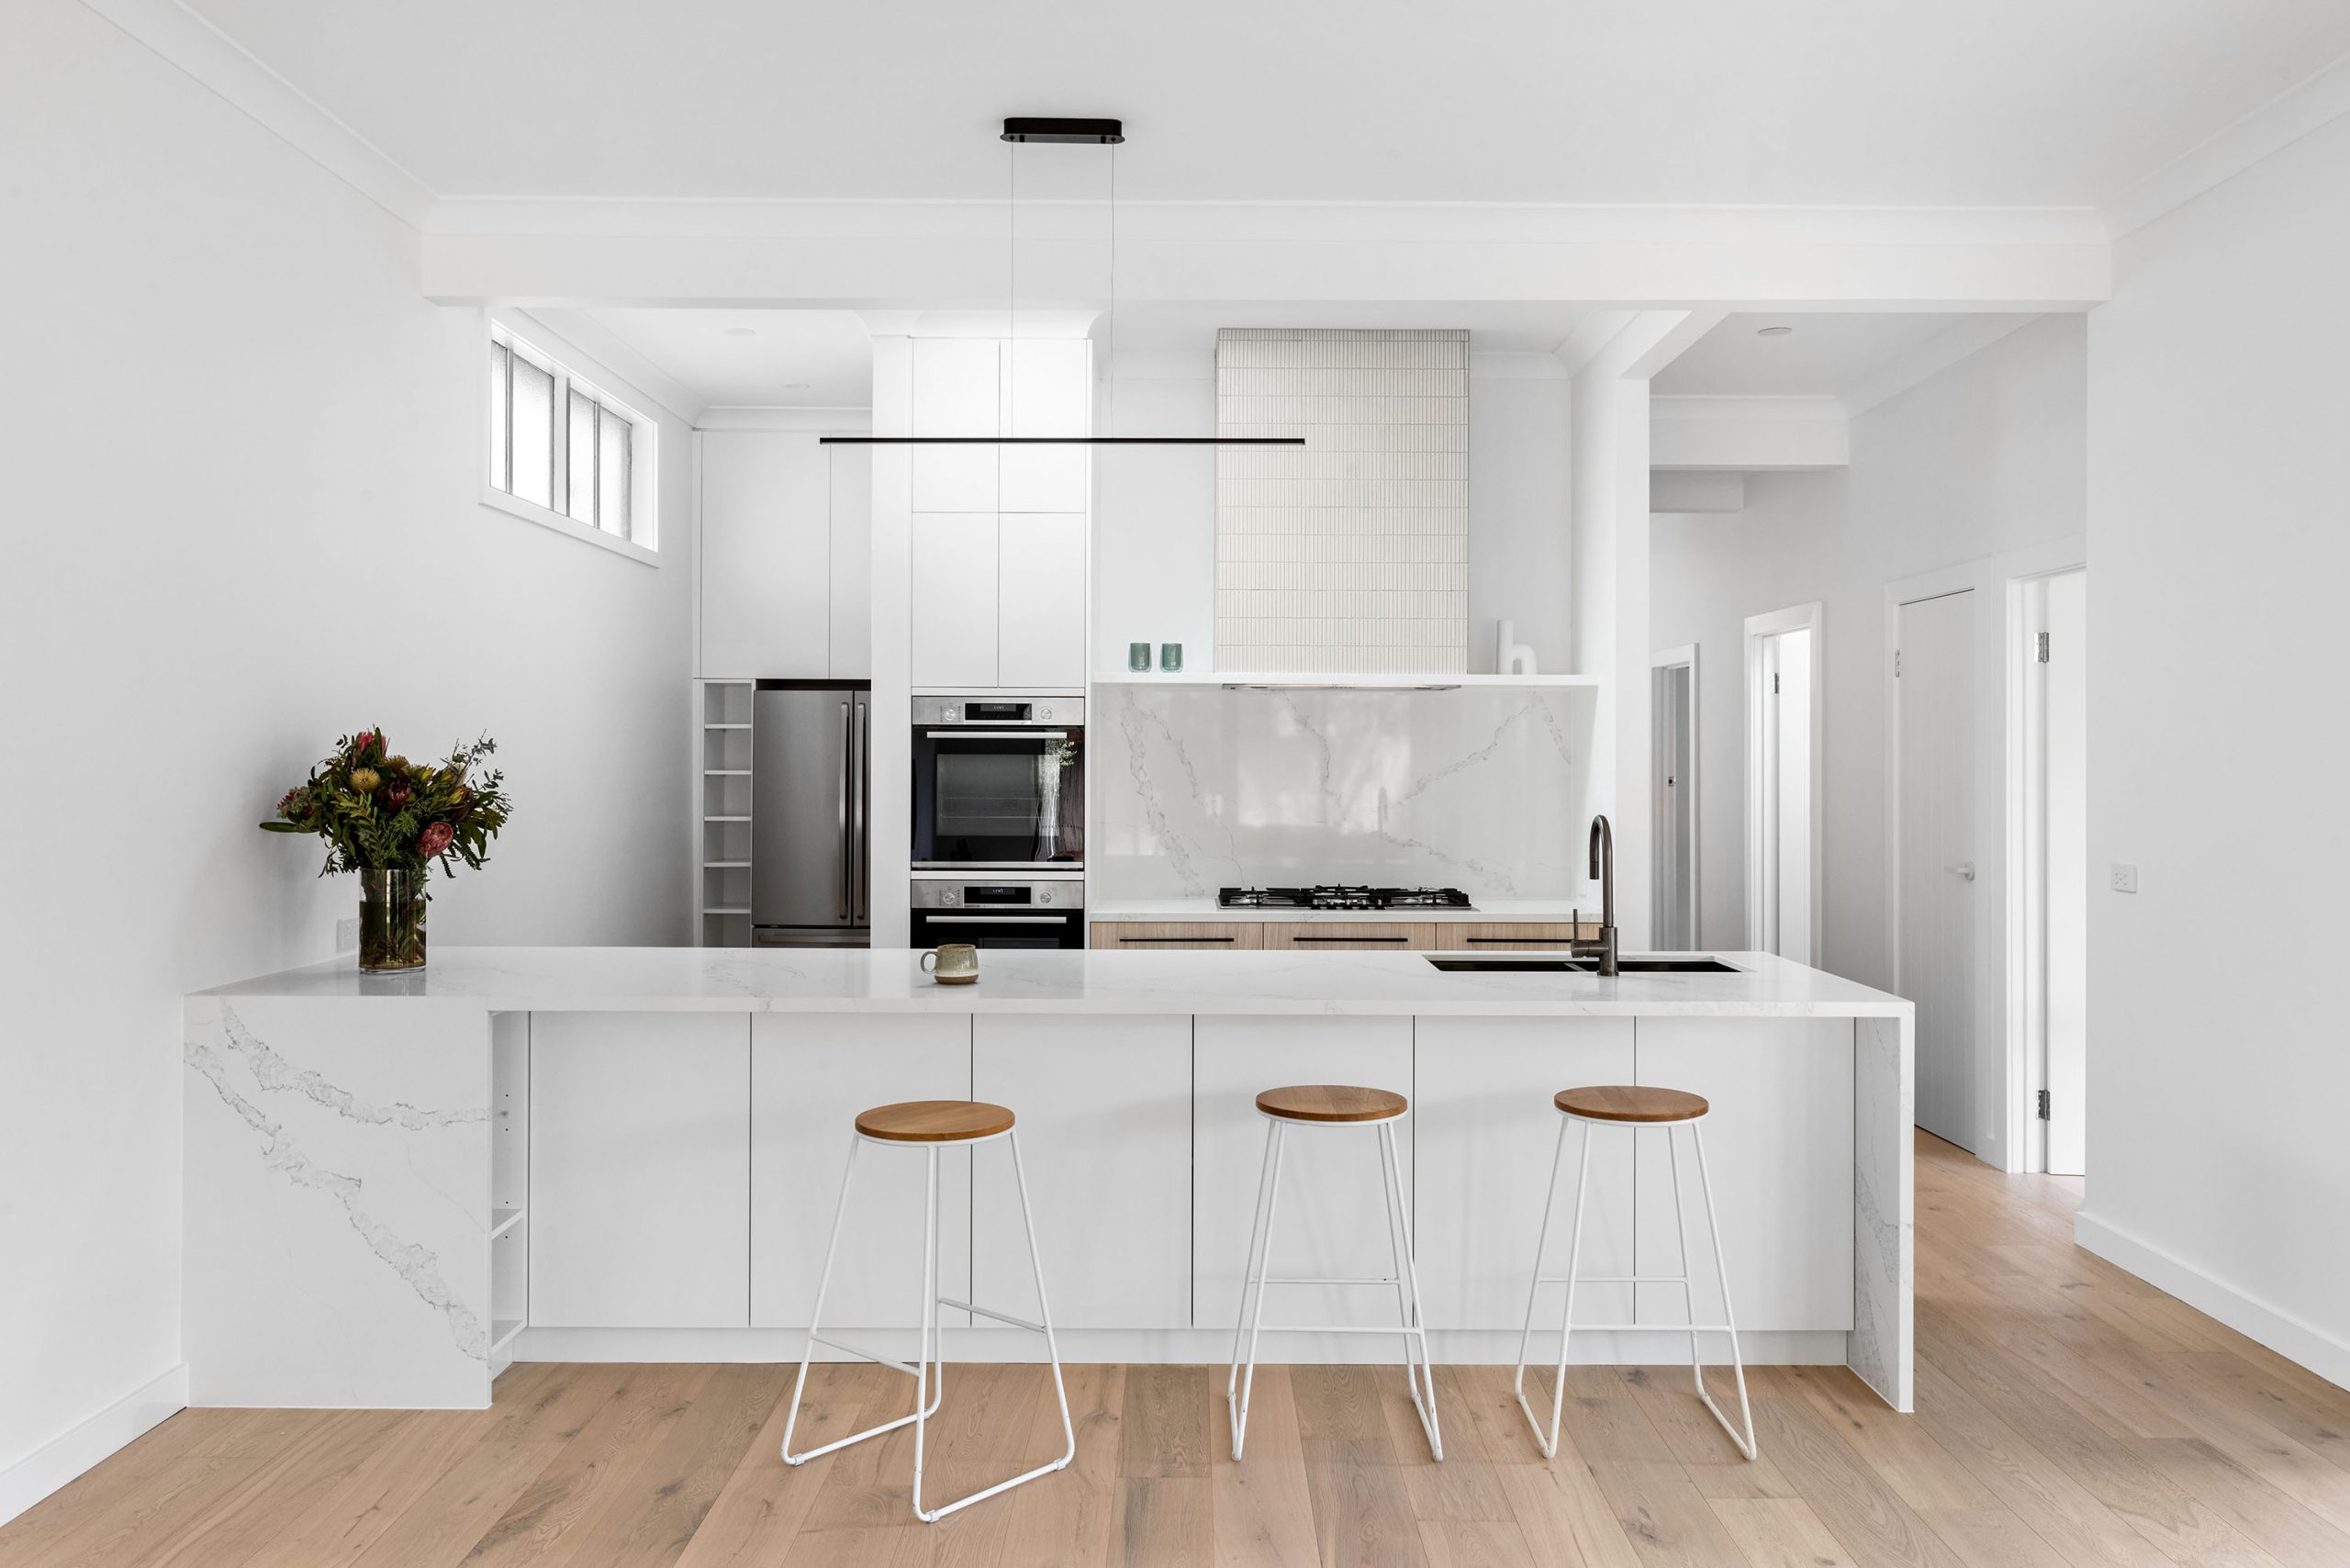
[(1153, 935), (1340, 937), (1531, 935)]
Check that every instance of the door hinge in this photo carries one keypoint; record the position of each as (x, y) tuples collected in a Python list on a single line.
[(1897, 664), (2044, 1105), (1774, 683), (2043, 647)]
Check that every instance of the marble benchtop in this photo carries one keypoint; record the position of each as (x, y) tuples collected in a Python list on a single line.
[(1512, 911), (890, 979)]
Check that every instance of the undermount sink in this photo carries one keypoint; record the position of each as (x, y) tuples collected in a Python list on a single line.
[(1552, 963)]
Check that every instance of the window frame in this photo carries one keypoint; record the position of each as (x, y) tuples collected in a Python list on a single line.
[(520, 336)]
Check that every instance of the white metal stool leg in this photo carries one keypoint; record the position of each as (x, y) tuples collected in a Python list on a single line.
[(1549, 1443), (928, 1370), (1412, 1322), (1729, 1318), (1238, 1385), (1407, 1292)]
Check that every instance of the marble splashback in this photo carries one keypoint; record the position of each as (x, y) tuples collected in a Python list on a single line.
[(1483, 788)]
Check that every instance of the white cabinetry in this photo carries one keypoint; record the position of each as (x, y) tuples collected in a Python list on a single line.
[(784, 570), (954, 612), (811, 1074), (1040, 599), (639, 1157), (1487, 1134), (1105, 1129), (1779, 1143), (1331, 1218)]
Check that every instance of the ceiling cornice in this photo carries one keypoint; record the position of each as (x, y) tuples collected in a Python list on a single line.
[(218, 61), (2276, 124)]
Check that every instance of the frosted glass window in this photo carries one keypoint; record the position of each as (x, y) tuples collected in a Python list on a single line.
[(613, 448), (499, 356), (582, 467), (533, 433)]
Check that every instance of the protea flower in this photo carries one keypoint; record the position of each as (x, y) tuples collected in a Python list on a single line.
[(397, 795), (434, 839)]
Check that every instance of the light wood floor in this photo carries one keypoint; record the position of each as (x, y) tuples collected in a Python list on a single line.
[(2067, 1413)]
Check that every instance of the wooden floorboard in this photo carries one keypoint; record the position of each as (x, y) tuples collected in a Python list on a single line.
[(2069, 1415)]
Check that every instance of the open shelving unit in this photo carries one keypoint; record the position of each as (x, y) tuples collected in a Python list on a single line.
[(722, 882)]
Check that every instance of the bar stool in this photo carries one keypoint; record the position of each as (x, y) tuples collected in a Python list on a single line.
[(1331, 1105), (1670, 1109), (933, 1126)]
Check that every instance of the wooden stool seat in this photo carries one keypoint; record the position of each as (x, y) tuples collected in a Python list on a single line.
[(934, 1121), (1624, 1103), (1331, 1103)]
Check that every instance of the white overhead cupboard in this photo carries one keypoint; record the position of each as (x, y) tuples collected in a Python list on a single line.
[(785, 557)]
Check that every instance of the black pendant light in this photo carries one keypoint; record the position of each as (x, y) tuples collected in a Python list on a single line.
[(1078, 133)]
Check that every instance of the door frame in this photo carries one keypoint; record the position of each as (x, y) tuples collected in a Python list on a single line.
[(2027, 1047), (1796, 618), (2000, 1037), (1675, 658)]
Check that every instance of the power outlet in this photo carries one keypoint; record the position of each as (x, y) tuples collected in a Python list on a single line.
[(346, 934), (2123, 877)]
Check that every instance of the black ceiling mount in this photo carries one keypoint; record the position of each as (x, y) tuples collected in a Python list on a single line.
[(1088, 132)]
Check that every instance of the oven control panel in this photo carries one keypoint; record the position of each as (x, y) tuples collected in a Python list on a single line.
[(1055, 895), (991, 712)]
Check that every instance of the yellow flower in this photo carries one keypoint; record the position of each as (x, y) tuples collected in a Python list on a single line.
[(364, 779)]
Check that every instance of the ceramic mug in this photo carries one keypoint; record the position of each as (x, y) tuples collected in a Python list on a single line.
[(952, 963)]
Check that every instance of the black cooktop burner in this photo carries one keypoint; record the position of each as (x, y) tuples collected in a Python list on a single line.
[(1343, 898)]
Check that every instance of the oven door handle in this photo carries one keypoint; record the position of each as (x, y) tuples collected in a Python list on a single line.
[(947, 917), (996, 735)]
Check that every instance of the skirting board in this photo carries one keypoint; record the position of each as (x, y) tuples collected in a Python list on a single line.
[(73, 1452), (1187, 1346), (2255, 1319)]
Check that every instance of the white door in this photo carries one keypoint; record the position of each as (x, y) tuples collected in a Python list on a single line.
[(1934, 707), (1040, 613), (1780, 816), (851, 474), (2058, 612), (1674, 843), (953, 599)]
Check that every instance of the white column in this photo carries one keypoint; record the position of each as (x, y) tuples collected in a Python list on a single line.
[(891, 839)]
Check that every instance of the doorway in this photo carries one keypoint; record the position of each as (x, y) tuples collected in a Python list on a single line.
[(1783, 783), (2052, 887), (1673, 773), (1935, 920)]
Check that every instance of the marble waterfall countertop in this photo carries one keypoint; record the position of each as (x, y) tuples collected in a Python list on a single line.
[(890, 979), (1501, 912)]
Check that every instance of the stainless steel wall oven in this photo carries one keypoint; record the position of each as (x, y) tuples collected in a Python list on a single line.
[(999, 783)]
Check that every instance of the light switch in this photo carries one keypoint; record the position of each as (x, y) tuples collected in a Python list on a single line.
[(2123, 876)]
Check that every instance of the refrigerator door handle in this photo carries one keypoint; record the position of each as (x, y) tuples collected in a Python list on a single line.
[(846, 859), (860, 783)]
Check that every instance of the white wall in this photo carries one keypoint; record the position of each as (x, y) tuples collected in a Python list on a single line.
[(241, 459), (1983, 459), (2219, 1054), (1153, 558)]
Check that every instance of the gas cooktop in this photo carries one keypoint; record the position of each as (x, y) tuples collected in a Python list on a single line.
[(1342, 898)]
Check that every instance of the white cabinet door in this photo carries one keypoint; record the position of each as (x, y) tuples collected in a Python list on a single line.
[(1105, 1132), (766, 509), (811, 1074), (955, 393), (852, 577), (1041, 631), (1331, 1218), (1488, 1135), (953, 599), (1051, 393), (639, 1170), (1779, 1146)]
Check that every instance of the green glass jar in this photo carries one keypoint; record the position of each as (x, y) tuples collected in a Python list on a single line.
[(391, 919)]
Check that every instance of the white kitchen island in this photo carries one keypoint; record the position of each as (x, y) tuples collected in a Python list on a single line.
[(398, 1185)]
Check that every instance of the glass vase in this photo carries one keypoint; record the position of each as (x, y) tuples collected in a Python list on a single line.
[(391, 919)]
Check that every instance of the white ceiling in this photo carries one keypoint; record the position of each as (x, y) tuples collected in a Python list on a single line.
[(1494, 327), (1989, 103), (1826, 355), (798, 359)]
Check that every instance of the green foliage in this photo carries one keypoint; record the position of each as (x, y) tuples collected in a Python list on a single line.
[(379, 811)]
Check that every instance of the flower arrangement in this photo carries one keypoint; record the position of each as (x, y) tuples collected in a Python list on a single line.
[(389, 820), (379, 811)]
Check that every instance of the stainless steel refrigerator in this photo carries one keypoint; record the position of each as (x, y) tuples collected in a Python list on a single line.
[(810, 784)]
